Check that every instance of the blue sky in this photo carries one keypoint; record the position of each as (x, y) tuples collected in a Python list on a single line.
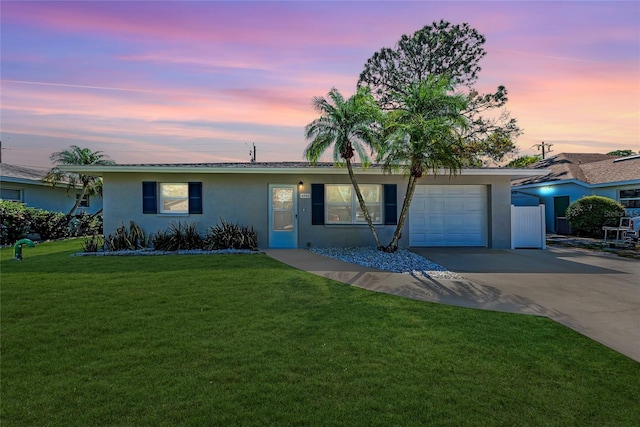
[(202, 81)]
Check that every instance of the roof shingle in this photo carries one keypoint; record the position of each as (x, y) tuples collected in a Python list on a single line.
[(591, 168)]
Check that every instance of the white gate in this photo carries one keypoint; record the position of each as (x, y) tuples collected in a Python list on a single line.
[(528, 229)]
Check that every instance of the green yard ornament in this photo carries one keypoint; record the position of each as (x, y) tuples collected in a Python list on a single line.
[(17, 248)]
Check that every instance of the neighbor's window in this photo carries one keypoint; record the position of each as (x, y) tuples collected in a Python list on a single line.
[(342, 206), (84, 203), (174, 198), (630, 198), (11, 194)]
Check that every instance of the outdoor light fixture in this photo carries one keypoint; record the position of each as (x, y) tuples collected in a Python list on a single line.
[(300, 184)]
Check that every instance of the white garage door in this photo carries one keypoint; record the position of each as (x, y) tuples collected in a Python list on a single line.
[(448, 215)]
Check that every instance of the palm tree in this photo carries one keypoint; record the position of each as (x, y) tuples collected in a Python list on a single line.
[(423, 135), (75, 155), (351, 126)]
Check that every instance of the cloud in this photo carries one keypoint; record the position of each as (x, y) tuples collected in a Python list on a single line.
[(198, 80)]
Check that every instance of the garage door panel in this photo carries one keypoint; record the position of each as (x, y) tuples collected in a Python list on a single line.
[(420, 204), (449, 215), (454, 190), (420, 222), (478, 190), (473, 222), (419, 239), (453, 205), (473, 201)]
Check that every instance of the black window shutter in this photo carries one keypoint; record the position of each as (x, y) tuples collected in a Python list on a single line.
[(317, 204), (195, 197), (149, 197), (390, 204)]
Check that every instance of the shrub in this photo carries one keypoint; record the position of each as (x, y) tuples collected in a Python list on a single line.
[(50, 225), (92, 244), (230, 236), (15, 221), (18, 220), (84, 224), (124, 238), (588, 215), (178, 236)]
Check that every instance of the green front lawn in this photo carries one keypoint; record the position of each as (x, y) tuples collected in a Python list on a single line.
[(244, 340)]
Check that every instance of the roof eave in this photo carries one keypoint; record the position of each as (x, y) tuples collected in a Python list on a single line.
[(308, 170), (578, 182)]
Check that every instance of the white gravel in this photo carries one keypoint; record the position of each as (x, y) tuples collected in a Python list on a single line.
[(402, 261)]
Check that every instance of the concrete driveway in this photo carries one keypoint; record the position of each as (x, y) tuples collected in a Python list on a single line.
[(595, 294)]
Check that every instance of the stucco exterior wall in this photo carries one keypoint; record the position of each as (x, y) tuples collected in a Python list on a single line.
[(55, 199), (244, 198), (574, 191)]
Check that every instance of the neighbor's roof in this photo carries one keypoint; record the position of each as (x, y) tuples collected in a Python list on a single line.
[(13, 173), (26, 175), (271, 168), (590, 168)]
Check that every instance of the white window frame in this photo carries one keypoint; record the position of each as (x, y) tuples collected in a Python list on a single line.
[(622, 200), (354, 206), (20, 195), (85, 203), (162, 198)]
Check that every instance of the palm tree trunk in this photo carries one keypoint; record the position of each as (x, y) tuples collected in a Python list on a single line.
[(397, 235), (363, 206), (75, 206), (98, 212)]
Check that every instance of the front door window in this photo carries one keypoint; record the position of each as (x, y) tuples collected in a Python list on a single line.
[(282, 216), (282, 202)]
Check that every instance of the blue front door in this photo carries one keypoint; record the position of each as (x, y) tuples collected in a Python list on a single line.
[(283, 230)]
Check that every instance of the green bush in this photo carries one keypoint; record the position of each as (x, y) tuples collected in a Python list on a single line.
[(230, 236), (18, 220), (588, 215), (50, 225), (15, 221), (84, 224)]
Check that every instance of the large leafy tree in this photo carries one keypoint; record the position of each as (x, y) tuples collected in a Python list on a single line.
[(423, 134), (523, 161), (351, 126), (454, 50), (623, 153), (75, 155)]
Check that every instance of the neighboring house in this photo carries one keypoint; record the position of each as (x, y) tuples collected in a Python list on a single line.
[(573, 176), (22, 184), (295, 205)]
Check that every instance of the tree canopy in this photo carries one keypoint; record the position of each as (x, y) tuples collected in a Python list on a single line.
[(453, 50), (423, 135), (523, 161), (622, 153), (75, 155), (352, 127), (440, 48)]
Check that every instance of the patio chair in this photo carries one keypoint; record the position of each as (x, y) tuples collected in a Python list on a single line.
[(630, 236), (624, 226)]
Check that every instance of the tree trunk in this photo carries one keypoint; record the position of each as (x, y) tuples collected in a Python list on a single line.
[(397, 235), (75, 206), (363, 206), (98, 212)]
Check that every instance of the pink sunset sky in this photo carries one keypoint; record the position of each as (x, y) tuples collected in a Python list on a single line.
[(187, 82)]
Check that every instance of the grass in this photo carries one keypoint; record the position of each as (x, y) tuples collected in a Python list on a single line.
[(244, 340)]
